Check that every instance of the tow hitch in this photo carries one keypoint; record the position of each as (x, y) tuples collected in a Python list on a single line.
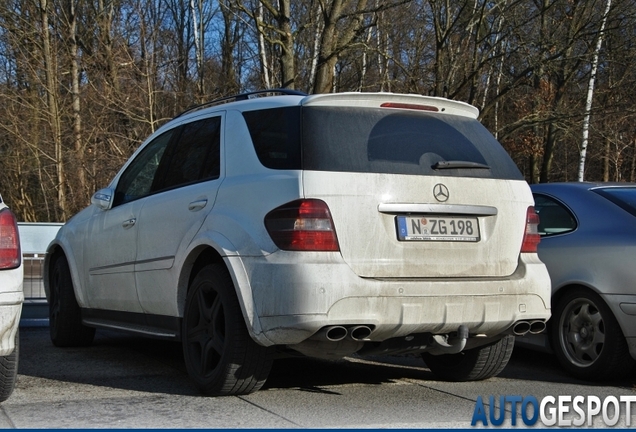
[(443, 344)]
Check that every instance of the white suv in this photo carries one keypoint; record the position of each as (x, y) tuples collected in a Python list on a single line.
[(11, 299), (328, 224)]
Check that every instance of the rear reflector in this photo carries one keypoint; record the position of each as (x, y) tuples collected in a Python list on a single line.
[(10, 255), (531, 237), (302, 225)]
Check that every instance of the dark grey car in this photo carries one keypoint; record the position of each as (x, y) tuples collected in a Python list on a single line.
[(588, 243)]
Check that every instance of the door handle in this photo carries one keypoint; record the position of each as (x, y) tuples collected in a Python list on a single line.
[(129, 223), (197, 205)]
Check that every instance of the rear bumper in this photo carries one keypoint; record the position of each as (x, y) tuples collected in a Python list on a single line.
[(10, 311), (293, 299), (624, 309)]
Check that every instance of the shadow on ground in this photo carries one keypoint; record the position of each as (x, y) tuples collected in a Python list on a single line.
[(118, 360)]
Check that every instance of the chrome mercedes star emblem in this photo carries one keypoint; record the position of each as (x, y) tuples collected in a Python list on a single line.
[(440, 192)]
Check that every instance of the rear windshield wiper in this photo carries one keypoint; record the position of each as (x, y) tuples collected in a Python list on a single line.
[(458, 164)]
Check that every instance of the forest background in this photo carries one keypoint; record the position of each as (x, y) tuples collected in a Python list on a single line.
[(83, 82)]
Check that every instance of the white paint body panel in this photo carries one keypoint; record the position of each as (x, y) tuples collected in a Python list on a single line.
[(110, 260), (399, 288), (320, 289), (368, 238)]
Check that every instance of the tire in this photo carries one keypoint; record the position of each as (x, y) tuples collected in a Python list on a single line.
[(586, 338), (9, 370), (473, 364), (220, 356), (65, 317)]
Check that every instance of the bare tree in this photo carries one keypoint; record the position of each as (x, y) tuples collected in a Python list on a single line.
[(83, 82), (590, 91), (276, 32), (50, 72)]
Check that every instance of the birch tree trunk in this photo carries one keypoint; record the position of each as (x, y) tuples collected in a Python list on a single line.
[(590, 94), (198, 44), (262, 53)]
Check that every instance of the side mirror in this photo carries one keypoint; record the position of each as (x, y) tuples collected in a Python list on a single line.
[(103, 198)]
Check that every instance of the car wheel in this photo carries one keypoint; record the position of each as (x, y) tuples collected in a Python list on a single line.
[(9, 370), (219, 353), (65, 317), (472, 364), (587, 339)]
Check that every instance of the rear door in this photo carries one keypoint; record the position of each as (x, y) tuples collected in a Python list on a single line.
[(415, 194), (169, 219)]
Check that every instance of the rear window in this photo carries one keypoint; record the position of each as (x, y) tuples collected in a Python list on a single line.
[(376, 140), (624, 197), (554, 216), (276, 136)]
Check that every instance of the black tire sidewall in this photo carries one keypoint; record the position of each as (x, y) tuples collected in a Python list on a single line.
[(66, 329), (222, 379), (474, 364), (9, 370), (60, 277)]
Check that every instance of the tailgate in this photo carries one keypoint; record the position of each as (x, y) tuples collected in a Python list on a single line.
[(393, 226)]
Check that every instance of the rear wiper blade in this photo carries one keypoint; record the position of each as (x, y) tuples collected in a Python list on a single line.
[(458, 164)]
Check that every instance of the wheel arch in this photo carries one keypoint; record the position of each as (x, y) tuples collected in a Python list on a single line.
[(196, 260), (205, 254), (563, 290), (53, 253)]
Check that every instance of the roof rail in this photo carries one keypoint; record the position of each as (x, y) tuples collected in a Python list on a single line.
[(242, 96)]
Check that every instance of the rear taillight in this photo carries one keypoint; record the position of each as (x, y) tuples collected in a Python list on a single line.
[(302, 225), (531, 237), (10, 256)]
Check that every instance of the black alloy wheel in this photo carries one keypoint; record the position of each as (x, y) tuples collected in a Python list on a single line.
[(220, 355)]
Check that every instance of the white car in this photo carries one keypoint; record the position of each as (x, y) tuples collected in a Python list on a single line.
[(11, 299), (328, 225)]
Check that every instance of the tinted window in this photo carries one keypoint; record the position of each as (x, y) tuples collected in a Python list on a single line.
[(399, 142), (195, 156), (554, 217), (136, 182), (353, 139), (624, 197), (276, 136)]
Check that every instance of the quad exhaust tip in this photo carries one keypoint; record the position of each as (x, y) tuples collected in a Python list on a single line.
[(337, 333), (359, 333), (537, 327), (523, 327)]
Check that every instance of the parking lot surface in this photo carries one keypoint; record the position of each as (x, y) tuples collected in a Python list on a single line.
[(123, 381)]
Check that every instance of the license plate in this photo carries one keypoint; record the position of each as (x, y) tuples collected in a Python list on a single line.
[(437, 228)]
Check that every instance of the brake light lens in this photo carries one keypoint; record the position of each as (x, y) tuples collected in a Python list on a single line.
[(531, 237), (302, 225), (409, 106), (10, 254)]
